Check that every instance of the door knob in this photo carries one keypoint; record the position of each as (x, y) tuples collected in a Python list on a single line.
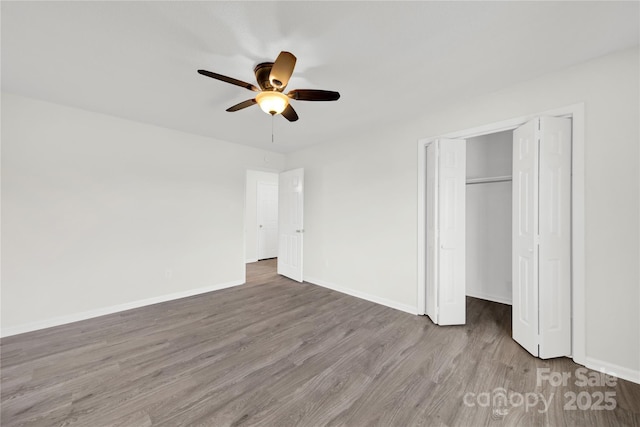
[(260, 226)]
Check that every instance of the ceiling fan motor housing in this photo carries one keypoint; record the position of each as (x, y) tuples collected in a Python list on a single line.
[(262, 72)]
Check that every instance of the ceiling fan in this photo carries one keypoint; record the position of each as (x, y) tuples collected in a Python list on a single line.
[(273, 77)]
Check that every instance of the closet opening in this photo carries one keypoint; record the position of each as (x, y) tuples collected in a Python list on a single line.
[(488, 208), (501, 217)]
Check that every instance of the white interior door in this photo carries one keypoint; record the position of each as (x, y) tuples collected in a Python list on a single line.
[(267, 214), (524, 314), (541, 314), (291, 223), (431, 213), (451, 182), (555, 237)]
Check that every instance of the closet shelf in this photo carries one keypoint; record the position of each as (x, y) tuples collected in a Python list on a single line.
[(489, 179)]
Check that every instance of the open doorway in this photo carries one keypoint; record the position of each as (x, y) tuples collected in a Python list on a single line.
[(261, 216), (261, 224), (274, 220)]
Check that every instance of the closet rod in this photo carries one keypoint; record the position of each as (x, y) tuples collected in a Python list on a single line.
[(489, 180)]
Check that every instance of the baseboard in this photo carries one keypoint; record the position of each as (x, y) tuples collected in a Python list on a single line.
[(613, 369), (62, 320), (488, 297), (363, 295)]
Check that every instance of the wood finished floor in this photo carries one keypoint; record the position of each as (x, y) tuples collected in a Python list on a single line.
[(279, 353)]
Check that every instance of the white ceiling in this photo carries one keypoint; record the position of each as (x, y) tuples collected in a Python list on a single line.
[(389, 60)]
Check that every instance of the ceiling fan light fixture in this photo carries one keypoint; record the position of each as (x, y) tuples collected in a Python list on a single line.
[(272, 102), (272, 78)]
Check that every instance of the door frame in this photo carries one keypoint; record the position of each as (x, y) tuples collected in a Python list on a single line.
[(576, 113)]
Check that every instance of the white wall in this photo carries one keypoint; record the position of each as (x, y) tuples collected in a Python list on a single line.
[(251, 211), (361, 203), (360, 215), (100, 212), (488, 218)]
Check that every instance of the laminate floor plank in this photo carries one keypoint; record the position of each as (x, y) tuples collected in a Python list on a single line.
[(275, 352)]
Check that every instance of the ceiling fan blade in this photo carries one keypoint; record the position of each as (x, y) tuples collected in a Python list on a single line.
[(282, 70), (229, 80), (313, 95), (290, 114), (243, 104)]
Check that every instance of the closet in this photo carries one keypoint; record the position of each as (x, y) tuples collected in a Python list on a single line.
[(488, 217), (498, 227)]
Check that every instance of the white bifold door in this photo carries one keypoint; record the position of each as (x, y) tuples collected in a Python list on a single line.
[(541, 267), (291, 223), (445, 215)]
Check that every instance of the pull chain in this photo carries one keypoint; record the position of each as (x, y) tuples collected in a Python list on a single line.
[(272, 127)]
